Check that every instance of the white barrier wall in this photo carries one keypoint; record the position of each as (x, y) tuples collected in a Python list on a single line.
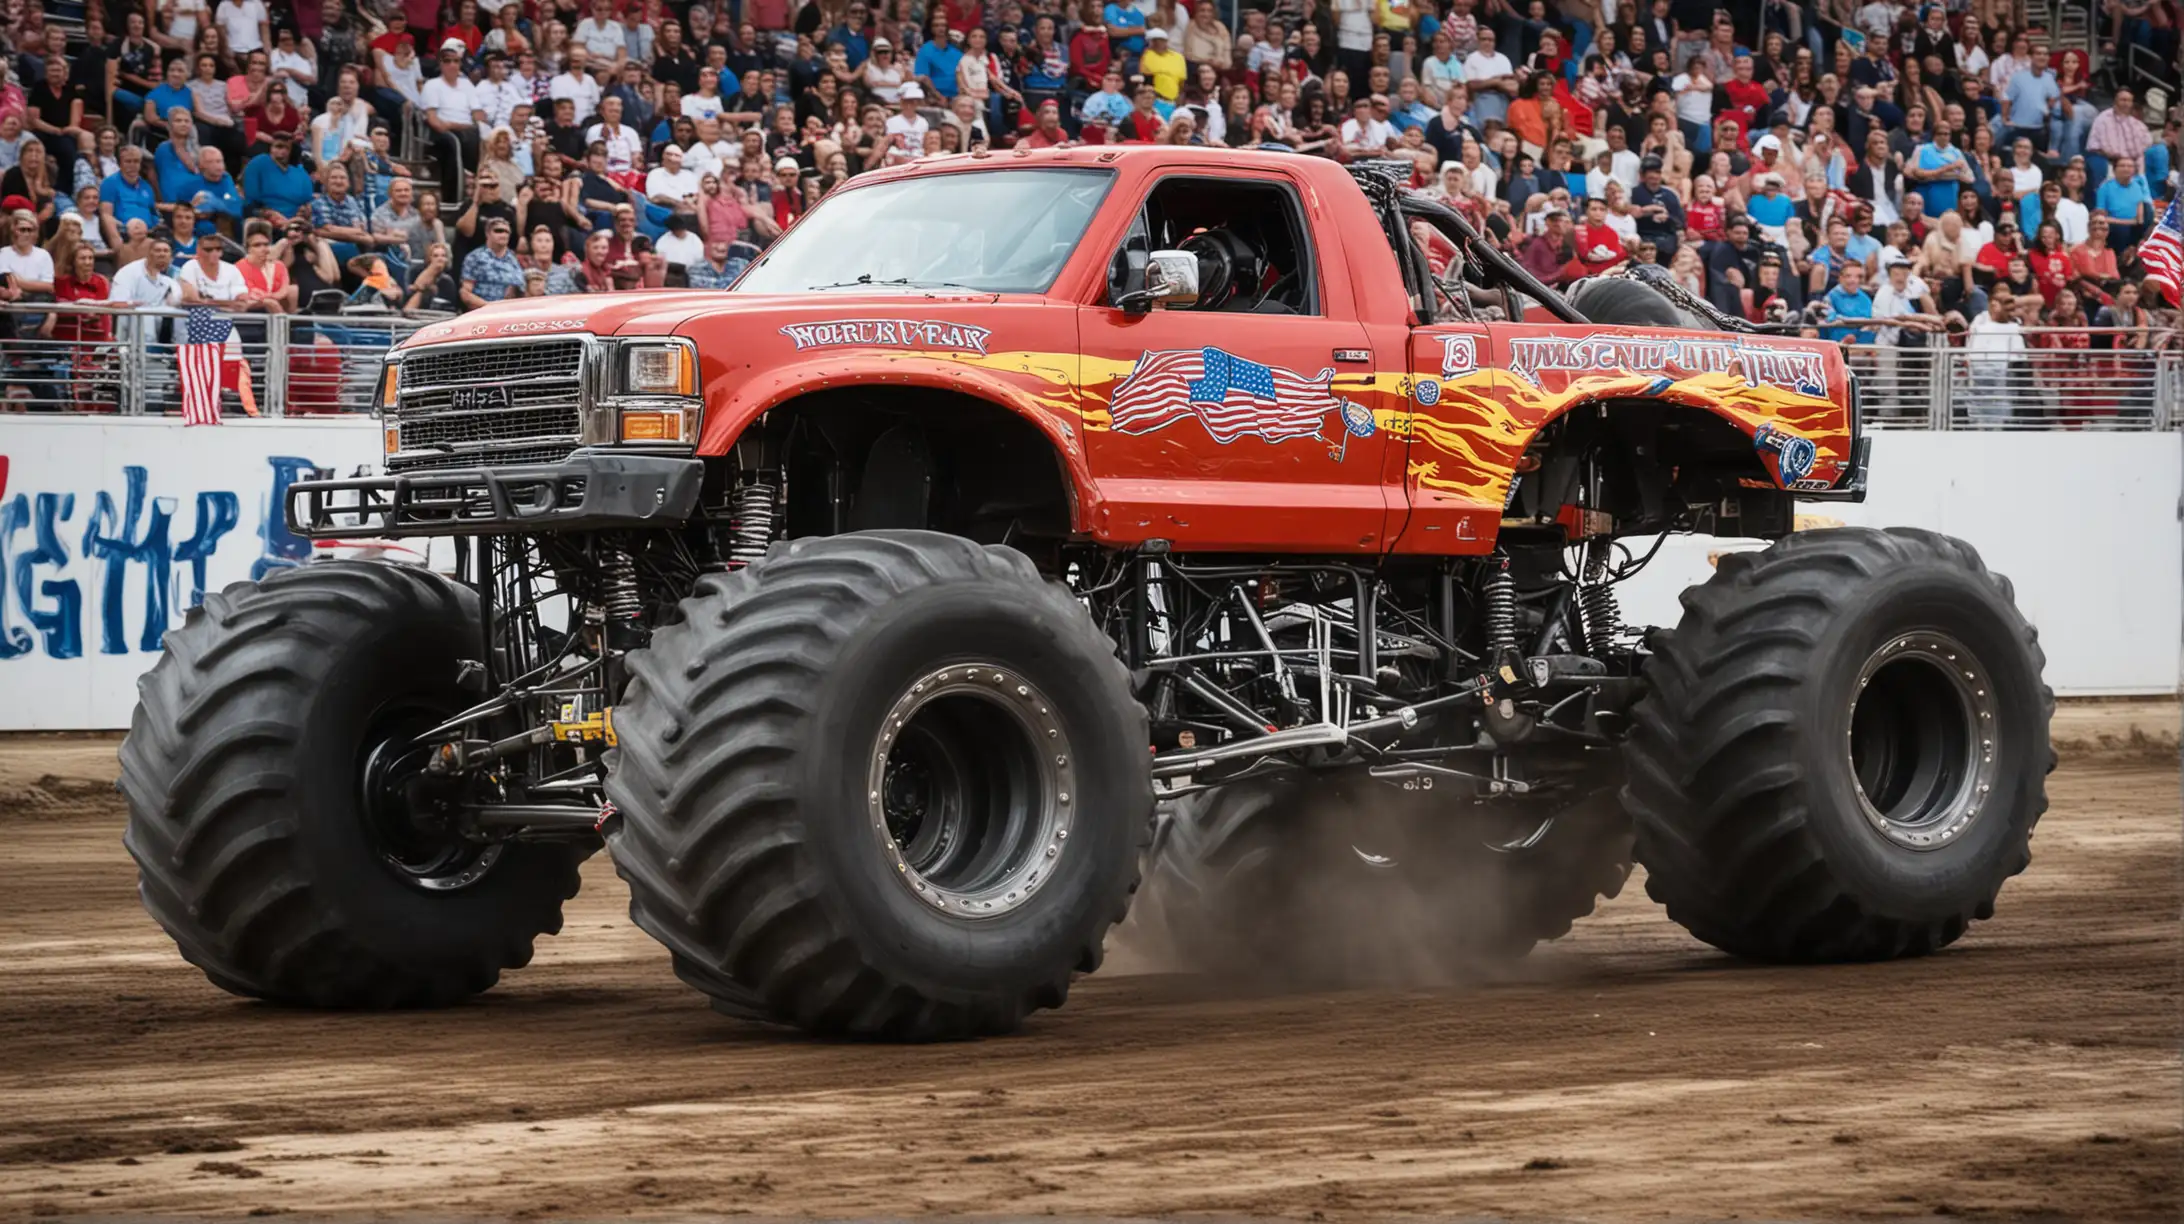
[(2085, 524), (111, 529)]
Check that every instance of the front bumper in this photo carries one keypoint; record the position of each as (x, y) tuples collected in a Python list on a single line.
[(588, 491)]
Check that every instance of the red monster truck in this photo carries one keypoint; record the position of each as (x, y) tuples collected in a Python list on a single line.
[(864, 613)]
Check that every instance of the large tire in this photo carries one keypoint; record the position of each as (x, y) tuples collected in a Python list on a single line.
[(244, 771), (1329, 882), (1805, 772), (1624, 302), (769, 833)]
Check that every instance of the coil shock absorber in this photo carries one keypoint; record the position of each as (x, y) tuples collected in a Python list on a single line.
[(620, 600), (751, 523), (1597, 611), (1498, 603)]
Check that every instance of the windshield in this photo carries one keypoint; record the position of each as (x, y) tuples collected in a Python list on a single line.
[(998, 231)]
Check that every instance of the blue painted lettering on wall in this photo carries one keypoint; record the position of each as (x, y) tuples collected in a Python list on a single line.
[(126, 541)]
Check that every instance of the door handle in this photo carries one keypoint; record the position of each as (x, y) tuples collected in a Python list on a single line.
[(1355, 355)]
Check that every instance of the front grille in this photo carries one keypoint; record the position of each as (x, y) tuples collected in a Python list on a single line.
[(499, 363), (542, 422), (496, 457)]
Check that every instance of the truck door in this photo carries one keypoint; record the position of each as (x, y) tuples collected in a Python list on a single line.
[(1462, 442), (1244, 422)]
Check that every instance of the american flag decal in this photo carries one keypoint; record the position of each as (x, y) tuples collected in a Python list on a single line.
[(1231, 396)]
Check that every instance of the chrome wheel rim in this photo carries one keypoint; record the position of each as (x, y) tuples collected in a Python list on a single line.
[(1921, 740), (969, 789)]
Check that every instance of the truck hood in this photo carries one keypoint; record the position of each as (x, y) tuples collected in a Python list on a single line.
[(647, 312), (659, 312)]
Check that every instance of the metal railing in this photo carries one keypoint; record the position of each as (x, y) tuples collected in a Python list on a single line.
[(2064, 378), (77, 358), (89, 358)]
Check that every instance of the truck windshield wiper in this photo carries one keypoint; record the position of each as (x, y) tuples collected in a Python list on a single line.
[(901, 282)]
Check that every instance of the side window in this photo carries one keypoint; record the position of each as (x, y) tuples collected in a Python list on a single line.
[(1249, 237)]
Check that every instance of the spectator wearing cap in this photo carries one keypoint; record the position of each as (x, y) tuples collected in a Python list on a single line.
[(126, 195), (1660, 213), (492, 272), (208, 281), (499, 94), (452, 111), (881, 76), (1164, 67), (906, 128), (275, 185), (1048, 133), (1548, 253)]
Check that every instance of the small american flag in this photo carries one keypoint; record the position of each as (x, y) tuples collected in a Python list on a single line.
[(203, 352), (2163, 253), (1230, 396)]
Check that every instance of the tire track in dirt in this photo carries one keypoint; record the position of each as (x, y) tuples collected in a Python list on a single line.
[(1626, 1072)]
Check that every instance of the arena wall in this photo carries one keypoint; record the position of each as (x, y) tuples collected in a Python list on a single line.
[(111, 528)]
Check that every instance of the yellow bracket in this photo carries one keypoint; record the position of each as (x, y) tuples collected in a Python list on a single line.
[(591, 729)]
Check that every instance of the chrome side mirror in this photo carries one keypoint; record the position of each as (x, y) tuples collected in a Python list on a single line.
[(1170, 278), (1173, 278)]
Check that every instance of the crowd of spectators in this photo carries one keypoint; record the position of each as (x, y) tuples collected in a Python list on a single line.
[(1882, 170)]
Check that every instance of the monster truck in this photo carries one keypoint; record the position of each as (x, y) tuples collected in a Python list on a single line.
[(867, 613)]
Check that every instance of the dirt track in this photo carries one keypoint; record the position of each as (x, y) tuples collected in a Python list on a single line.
[(2031, 1070)]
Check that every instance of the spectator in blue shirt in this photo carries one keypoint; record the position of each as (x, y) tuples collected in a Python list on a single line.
[(274, 186), (2128, 201), (212, 192), (935, 66), (2028, 96), (1772, 207), (1110, 105), (172, 91), (855, 38), (1125, 31), (176, 157), (1939, 170), (1848, 300), (126, 195), (724, 261), (492, 273)]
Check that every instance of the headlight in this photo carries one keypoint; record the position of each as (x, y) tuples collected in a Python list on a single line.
[(659, 369)]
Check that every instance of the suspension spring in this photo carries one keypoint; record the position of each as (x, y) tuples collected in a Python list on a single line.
[(751, 526), (618, 592), (1597, 610), (1500, 604)]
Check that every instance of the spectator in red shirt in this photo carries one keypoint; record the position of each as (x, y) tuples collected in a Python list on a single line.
[(1143, 124), (1599, 245), (1743, 94), (1048, 133), (1088, 58)]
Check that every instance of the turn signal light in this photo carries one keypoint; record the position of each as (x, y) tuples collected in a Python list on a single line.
[(656, 425), (394, 439), (388, 381)]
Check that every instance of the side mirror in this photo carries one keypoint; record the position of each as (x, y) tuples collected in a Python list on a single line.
[(1171, 279)]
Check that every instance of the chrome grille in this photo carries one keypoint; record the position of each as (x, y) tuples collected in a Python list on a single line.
[(542, 422), (497, 363)]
